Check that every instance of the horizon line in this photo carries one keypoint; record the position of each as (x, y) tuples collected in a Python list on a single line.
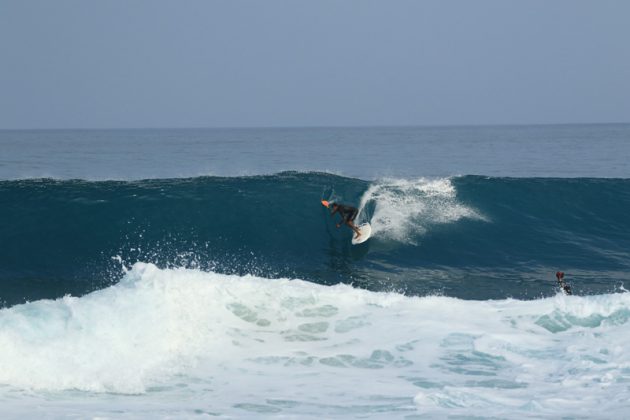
[(340, 126)]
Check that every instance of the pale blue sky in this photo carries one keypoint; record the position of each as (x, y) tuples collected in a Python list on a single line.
[(224, 63)]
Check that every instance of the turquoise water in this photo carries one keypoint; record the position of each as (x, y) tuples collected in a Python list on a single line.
[(469, 237), (194, 273)]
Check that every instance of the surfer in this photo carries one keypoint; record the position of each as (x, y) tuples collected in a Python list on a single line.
[(347, 213), (563, 284)]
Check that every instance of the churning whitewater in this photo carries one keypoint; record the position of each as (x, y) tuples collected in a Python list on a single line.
[(249, 346)]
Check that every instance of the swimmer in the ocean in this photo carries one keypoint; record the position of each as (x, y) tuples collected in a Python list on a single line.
[(563, 284)]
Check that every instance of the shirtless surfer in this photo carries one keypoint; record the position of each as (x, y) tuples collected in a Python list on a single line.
[(347, 213)]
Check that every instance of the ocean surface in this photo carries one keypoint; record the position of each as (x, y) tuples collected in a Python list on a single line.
[(194, 273)]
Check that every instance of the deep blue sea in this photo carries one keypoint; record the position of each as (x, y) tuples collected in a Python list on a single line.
[(194, 272)]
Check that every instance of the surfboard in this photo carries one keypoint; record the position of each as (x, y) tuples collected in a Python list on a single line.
[(366, 231)]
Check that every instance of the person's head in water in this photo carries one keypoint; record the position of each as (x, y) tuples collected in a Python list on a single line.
[(563, 284)]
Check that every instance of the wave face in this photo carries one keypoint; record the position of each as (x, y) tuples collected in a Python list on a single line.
[(183, 342), (469, 237)]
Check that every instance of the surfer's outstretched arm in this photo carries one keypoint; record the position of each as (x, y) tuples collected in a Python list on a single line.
[(335, 208)]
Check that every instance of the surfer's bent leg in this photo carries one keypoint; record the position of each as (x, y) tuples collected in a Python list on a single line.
[(350, 222), (353, 227)]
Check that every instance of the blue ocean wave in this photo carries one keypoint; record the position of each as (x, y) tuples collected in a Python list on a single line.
[(470, 237)]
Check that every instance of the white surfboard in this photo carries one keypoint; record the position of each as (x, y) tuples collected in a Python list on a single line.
[(366, 231)]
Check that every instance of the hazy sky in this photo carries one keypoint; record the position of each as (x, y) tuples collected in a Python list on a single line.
[(154, 63)]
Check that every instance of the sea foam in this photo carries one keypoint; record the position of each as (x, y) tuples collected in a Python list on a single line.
[(255, 346), (406, 208)]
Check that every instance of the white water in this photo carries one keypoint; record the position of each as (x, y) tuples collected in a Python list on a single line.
[(407, 208), (173, 343)]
